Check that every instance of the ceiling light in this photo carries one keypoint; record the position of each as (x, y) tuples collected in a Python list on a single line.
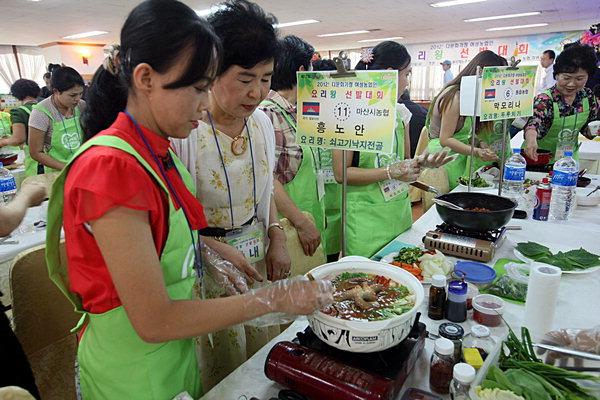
[(454, 3), (381, 40), (294, 23), (527, 14), (342, 33), (85, 34), (505, 28), (208, 11)]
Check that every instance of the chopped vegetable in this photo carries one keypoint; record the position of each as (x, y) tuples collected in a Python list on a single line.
[(477, 181), (348, 275), (567, 261), (508, 288), (434, 264), (416, 271), (409, 255), (496, 394)]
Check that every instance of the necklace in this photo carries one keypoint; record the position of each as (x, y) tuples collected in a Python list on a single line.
[(238, 145)]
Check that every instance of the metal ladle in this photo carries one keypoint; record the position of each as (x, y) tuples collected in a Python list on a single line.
[(447, 204)]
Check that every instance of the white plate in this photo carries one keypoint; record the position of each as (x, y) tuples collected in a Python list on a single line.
[(522, 257), (390, 257), (475, 189)]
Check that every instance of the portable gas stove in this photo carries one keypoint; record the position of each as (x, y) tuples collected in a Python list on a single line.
[(309, 366), (459, 242)]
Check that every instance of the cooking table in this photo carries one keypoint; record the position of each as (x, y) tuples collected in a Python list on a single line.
[(579, 297)]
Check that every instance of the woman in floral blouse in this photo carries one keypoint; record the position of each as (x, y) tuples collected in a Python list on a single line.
[(566, 109)]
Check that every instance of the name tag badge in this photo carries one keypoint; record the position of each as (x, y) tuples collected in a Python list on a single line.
[(328, 176), (320, 185), (250, 240), (392, 188)]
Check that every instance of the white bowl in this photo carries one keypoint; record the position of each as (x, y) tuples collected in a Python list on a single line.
[(365, 336), (587, 201)]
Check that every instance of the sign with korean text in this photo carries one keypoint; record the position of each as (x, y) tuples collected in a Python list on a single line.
[(351, 113), (507, 92)]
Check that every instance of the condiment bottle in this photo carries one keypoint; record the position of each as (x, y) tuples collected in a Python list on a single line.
[(440, 370), (437, 297), (462, 377), (454, 333), (456, 306), (480, 339)]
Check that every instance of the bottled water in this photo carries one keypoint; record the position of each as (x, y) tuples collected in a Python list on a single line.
[(8, 187), (564, 181), (514, 175)]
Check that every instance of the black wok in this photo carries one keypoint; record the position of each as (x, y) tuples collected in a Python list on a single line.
[(502, 210)]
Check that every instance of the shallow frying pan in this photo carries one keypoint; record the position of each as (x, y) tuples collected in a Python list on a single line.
[(502, 210)]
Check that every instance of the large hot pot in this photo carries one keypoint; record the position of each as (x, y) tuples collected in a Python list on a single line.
[(501, 211), (365, 336)]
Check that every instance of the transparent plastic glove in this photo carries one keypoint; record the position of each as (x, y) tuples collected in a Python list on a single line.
[(587, 340), (223, 272), (435, 160), (405, 170), (287, 298)]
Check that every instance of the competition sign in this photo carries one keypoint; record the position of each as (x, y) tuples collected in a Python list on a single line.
[(349, 113), (507, 92)]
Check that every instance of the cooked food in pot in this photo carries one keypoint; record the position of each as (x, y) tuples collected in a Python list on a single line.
[(368, 297), (478, 209)]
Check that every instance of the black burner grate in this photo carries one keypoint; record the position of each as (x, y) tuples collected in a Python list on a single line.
[(491, 236)]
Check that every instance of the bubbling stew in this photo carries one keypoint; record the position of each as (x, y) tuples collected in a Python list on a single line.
[(368, 297)]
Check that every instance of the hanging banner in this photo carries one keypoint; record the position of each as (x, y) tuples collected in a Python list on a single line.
[(507, 92), (351, 113)]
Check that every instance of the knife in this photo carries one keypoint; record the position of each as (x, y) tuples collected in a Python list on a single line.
[(571, 352), (426, 187)]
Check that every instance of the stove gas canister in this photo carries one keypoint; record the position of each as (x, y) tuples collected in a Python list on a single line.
[(323, 377)]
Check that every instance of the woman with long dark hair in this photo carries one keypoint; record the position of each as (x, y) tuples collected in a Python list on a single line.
[(448, 129), (131, 222)]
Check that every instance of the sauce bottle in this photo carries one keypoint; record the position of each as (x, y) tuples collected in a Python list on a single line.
[(462, 377), (456, 306), (440, 370), (437, 297), (454, 333)]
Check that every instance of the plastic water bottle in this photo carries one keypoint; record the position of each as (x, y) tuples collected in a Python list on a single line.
[(564, 181), (514, 176), (8, 186)]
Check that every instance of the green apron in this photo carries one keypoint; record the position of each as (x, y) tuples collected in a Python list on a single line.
[(31, 166), (371, 221), (303, 189), (563, 133), (114, 362), (66, 136), (333, 204), (461, 165), (6, 129)]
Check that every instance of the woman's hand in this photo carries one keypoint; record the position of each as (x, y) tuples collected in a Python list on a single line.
[(435, 160), (405, 170), (309, 236), (277, 258), (486, 154), (294, 296), (235, 257), (531, 145)]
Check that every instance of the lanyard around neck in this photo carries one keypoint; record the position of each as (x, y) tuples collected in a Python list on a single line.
[(397, 148), (62, 119), (197, 259), (212, 125)]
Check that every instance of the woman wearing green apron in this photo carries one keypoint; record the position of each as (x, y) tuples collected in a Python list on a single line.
[(448, 129), (299, 184), (55, 131), (6, 131), (563, 111), (26, 91), (131, 222)]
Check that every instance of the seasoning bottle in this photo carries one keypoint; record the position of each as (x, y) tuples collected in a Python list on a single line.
[(456, 306), (462, 377), (480, 339), (437, 297), (454, 333), (440, 370)]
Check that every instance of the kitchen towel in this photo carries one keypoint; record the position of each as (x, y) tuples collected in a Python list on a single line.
[(540, 303)]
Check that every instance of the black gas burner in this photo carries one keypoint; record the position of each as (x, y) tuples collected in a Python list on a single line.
[(394, 363), (491, 235)]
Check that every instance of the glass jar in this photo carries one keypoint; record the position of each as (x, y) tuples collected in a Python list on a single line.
[(480, 339), (454, 333), (442, 362), (462, 377), (437, 297)]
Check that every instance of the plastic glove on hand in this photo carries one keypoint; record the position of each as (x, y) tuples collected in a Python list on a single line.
[(587, 340), (297, 296), (223, 272), (435, 160), (405, 170)]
